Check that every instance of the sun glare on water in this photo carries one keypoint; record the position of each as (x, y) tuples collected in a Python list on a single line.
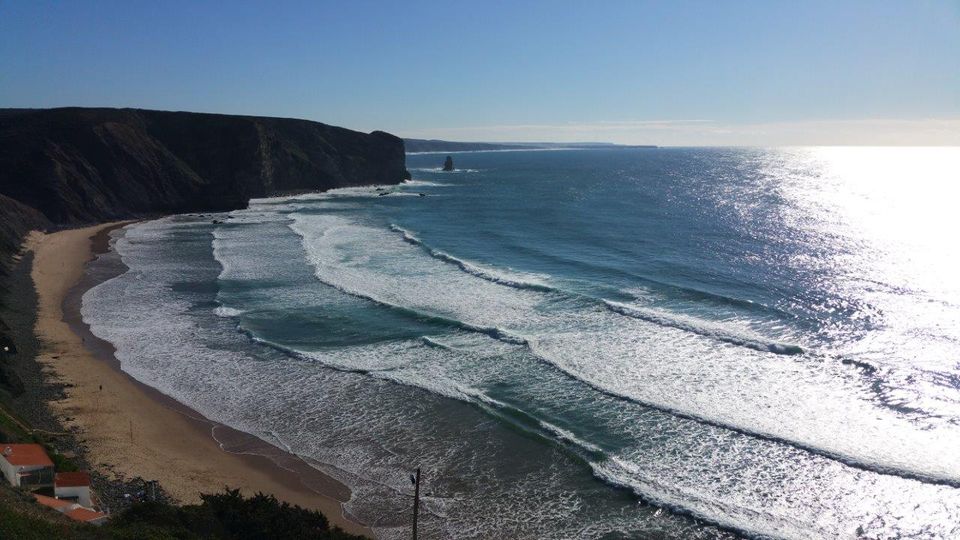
[(888, 222)]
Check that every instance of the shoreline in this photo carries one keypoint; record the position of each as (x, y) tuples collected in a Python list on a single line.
[(135, 430)]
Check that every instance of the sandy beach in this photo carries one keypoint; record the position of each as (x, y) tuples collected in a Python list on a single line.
[(134, 429)]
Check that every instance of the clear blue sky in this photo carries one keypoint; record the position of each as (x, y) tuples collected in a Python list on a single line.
[(673, 72)]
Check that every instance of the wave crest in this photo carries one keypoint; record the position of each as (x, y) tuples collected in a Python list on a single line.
[(513, 279), (704, 328)]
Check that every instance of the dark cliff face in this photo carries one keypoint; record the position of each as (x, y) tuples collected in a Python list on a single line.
[(76, 166), (86, 165), (16, 220)]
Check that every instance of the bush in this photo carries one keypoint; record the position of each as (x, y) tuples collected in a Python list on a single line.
[(61, 463), (228, 516)]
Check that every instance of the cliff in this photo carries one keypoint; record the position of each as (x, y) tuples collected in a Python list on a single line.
[(86, 165), (71, 166), (16, 220)]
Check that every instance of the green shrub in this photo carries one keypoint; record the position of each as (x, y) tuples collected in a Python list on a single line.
[(228, 516), (62, 464)]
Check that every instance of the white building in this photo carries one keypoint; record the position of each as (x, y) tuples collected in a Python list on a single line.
[(73, 486), (26, 466)]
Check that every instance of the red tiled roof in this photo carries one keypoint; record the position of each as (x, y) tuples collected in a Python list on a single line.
[(25, 454), (84, 514), (72, 479), (56, 504)]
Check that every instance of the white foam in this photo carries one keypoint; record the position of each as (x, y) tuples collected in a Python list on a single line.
[(224, 311), (440, 170), (720, 331), (376, 264), (692, 500), (282, 203), (160, 342), (503, 276), (820, 406), (567, 435), (423, 183)]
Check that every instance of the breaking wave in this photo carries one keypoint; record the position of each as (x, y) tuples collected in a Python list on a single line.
[(704, 328), (425, 183), (513, 279), (224, 311)]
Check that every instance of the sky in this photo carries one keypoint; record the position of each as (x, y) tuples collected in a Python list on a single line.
[(764, 72)]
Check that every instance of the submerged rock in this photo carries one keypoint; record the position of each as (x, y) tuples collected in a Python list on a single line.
[(448, 164)]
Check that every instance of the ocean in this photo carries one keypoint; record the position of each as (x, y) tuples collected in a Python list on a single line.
[(601, 343)]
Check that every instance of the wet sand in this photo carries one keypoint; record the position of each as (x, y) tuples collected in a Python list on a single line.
[(136, 430)]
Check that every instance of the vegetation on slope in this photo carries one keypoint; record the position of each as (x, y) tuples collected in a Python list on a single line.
[(222, 516)]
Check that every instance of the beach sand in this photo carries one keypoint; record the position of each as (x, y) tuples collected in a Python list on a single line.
[(135, 430)]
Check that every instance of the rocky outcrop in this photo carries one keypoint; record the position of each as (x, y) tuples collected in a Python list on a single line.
[(448, 164)]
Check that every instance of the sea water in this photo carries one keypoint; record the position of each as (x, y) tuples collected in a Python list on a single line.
[(603, 343)]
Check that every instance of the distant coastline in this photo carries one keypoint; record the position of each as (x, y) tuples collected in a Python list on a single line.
[(433, 146), (504, 150)]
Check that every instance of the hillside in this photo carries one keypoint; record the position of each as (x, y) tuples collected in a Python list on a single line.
[(220, 516)]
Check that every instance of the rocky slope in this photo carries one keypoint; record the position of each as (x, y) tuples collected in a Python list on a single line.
[(16, 220)]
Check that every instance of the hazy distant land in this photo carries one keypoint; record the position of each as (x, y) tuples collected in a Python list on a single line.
[(415, 146)]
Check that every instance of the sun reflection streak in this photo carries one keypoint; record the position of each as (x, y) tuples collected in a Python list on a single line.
[(887, 221)]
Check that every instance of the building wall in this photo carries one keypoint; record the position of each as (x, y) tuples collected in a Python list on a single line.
[(81, 493), (42, 476), (9, 472)]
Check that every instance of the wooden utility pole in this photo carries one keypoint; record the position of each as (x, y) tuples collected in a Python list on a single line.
[(416, 502)]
